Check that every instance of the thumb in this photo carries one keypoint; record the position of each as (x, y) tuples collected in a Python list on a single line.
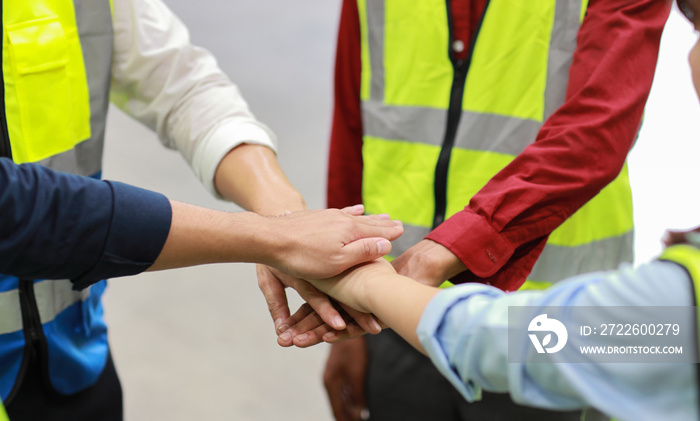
[(366, 249)]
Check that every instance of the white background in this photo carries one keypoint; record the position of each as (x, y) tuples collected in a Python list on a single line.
[(197, 344)]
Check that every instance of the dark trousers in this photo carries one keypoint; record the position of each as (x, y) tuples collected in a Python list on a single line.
[(404, 385), (35, 400)]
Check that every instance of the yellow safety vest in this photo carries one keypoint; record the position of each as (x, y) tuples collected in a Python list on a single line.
[(3, 414), (55, 96), (55, 80), (437, 129), (689, 257)]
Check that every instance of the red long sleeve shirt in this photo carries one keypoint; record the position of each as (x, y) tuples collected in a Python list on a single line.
[(578, 150)]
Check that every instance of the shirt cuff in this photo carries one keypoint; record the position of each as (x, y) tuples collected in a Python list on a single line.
[(221, 141), (138, 229), (434, 321), (474, 241)]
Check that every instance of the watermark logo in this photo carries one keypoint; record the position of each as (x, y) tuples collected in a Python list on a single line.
[(542, 324)]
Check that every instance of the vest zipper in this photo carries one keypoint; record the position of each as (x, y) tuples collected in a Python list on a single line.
[(454, 114), (31, 319), (35, 342), (5, 149)]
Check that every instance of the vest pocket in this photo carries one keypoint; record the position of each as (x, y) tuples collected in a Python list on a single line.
[(45, 114)]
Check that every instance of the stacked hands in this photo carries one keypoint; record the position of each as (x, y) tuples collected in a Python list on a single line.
[(337, 264), (350, 289), (328, 260)]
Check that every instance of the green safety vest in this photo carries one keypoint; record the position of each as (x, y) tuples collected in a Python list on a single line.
[(436, 130)]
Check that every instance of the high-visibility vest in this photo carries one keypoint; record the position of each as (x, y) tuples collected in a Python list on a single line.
[(56, 71), (3, 414), (436, 131), (689, 257)]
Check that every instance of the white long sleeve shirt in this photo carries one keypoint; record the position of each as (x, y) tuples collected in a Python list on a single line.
[(177, 89)]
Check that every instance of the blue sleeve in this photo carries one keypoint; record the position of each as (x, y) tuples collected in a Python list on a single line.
[(465, 331), (55, 226)]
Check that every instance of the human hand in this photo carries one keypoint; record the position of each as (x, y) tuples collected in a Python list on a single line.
[(323, 243), (673, 237), (354, 286), (344, 379), (301, 328), (429, 263), (273, 284), (308, 327)]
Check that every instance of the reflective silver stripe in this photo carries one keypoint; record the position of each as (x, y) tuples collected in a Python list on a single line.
[(558, 262), (481, 132), (411, 124), (94, 20), (375, 42), (10, 312), (562, 45), (52, 297), (84, 159), (495, 133)]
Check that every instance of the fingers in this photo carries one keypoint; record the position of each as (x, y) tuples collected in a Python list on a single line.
[(372, 226), (371, 325), (325, 333), (333, 336), (307, 329), (302, 322), (366, 321), (320, 303), (275, 296), (310, 330), (366, 249)]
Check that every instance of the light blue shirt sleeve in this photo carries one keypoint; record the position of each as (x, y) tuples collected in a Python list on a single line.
[(464, 329)]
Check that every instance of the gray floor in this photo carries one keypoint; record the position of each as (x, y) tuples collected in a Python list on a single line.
[(197, 344)]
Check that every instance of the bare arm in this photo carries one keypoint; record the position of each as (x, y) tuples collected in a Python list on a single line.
[(250, 176), (299, 243), (376, 288)]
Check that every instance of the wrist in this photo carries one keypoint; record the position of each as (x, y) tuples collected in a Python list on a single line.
[(429, 263), (260, 238), (273, 239), (287, 202)]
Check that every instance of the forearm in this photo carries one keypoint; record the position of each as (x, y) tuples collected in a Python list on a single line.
[(399, 302), (250, 176), (200, 236), (396, 300), (299, 244)]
